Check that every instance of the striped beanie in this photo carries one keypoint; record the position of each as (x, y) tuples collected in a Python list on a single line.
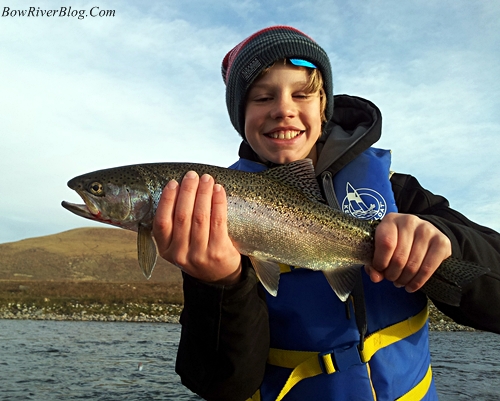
[(245, 62)]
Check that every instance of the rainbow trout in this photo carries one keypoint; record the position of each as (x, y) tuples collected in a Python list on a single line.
[(276, 216)]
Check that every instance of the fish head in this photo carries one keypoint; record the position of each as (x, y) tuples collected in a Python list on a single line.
[(112, 197)]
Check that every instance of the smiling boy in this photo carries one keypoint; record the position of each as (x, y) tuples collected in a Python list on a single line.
[(305, 343), (283, 114)]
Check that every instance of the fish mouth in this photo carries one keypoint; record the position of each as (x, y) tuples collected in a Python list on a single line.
[(87, 210), (93, 210), (79, 210)]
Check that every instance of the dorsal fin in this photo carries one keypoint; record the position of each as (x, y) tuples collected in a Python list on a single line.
[(300, 175)]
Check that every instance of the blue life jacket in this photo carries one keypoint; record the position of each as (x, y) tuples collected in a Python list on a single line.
[(316, 352)]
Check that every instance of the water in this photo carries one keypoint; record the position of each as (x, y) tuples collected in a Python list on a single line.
[(466, 365), (45, 360)]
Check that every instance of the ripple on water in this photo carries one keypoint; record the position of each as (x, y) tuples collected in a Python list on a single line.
[(89, 360), (99, 361), (466, 365)]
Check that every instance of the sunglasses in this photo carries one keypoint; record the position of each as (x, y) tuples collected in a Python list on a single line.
[(302, 63)]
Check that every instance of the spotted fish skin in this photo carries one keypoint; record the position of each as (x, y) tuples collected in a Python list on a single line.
[(276, 216)]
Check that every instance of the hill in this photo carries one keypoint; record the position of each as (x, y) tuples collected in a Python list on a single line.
[(83, 265), (93, 271), (83, 254)]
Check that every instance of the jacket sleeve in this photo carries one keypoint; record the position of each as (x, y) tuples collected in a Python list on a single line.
[(480, 304), (224, 338)]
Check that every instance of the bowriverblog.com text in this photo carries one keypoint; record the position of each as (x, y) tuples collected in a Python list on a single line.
[(60, 12)]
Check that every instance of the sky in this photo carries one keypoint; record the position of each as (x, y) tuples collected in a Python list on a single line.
[(141, 83)]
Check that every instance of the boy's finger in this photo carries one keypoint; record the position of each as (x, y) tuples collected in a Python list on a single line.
[(413, 264), (183, 215), (429, 265), (200, 225), (163, 221), (386, 238), (375, 276), (218, 233)]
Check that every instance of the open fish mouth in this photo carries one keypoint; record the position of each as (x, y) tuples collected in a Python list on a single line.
[(79, 210), (87, 210), (117, 213)]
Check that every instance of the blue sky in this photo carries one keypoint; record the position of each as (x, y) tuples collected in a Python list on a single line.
[(79, 95)]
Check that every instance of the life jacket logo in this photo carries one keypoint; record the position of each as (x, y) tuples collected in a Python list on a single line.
[(364, 203)]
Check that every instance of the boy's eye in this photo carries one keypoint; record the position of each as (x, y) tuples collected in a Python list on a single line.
[(302, 95), (262, 99)]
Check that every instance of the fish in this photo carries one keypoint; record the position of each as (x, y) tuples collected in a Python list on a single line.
[(274, 217)]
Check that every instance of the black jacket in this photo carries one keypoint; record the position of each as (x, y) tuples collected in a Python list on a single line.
[(225, 332)]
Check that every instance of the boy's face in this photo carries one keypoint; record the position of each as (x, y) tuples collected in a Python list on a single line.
[(282, 121)]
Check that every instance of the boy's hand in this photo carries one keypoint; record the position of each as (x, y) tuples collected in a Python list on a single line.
[(190, 229), (408, 250)]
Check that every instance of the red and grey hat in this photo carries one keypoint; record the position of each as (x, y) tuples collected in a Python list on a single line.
[(245, 62)]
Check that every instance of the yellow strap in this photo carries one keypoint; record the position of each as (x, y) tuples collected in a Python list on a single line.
[(306, 364), (255, 397), (420, 390), (416, 393), (284, 268), (369, 371), (385, 337), (289, 359), (309, 368)]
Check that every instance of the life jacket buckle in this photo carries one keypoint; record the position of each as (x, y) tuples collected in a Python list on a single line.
[(340, 359)]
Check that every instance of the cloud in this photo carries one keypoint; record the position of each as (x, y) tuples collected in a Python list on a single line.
[(145, 86), (98, 97)]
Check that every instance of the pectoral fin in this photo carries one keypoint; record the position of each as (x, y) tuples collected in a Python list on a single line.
[(268, 273), (342, 280), (146, 250)]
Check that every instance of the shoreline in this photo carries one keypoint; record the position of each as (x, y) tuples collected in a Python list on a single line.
[(151, 313), (130, 312)]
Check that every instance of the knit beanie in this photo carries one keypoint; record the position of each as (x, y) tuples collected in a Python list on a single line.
[(246, 61)]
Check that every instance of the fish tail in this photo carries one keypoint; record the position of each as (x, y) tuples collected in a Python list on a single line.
[(447, 283)]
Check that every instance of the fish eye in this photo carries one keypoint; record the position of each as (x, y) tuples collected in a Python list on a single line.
[(96, 188)]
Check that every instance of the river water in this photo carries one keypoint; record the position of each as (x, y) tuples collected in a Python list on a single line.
[(47, 360)]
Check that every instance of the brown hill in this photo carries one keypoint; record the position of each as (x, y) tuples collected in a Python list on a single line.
[(91, 265), (83, 254), (83, 265)]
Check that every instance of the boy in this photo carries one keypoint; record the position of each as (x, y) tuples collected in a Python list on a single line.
[(238, 342)]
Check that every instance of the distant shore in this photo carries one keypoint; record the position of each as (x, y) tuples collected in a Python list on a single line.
[(150, 313), (440, 322), (132, 312)]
